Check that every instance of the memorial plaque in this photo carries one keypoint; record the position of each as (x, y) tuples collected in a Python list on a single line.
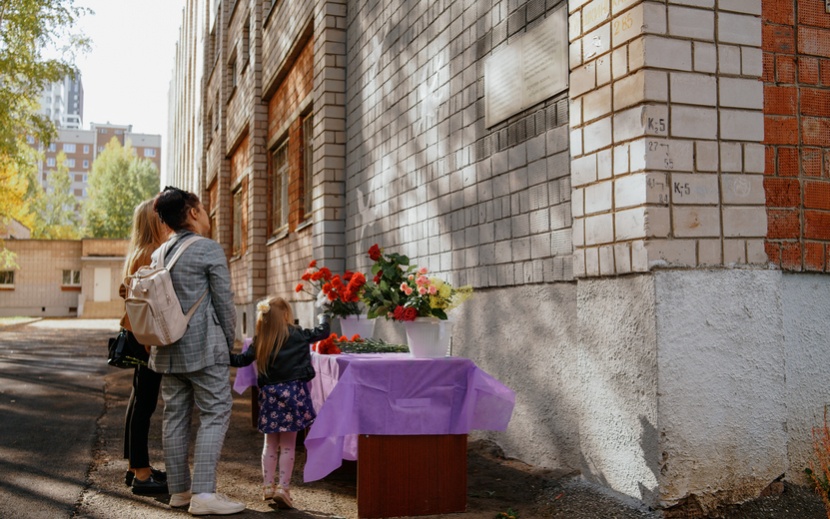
[(528, 71)]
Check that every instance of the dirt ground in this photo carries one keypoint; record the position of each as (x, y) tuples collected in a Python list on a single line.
[(495, 484)]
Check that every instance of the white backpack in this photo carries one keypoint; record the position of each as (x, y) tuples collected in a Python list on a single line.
[(155, 312)]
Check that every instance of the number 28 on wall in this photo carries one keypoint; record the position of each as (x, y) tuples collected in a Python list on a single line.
[(622, 23)]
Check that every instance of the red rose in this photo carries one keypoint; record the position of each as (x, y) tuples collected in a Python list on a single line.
[(374, 252), (376, 279), (312, 264), (405, 314), (306, 276), (299, 287)]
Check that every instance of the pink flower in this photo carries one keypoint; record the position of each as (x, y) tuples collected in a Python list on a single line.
[(422, 281), (410, 277), (406, 289), (422, 290), (432, 290), (422, 271)]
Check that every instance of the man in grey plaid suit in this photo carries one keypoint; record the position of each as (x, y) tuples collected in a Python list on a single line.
[(196, 368)]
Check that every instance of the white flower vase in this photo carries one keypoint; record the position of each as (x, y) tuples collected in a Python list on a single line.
[(351, 325), (428, 337)]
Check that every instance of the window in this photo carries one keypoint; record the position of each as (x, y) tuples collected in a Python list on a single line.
[(70, 163), (237, 222), (102, 130), (234, 72), (149, 152), (68, 147), (30, 139), (308, 174), (86, 165), (6, 279), (71, 278), (52, 147), (86, 148), (50, 162), (279, 187), (100, 149), (246, 41), (86, 177)]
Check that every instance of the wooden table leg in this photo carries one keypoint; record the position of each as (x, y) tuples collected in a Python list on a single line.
[(254, 407)]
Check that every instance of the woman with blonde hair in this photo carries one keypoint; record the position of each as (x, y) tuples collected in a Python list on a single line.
[(148, 233)]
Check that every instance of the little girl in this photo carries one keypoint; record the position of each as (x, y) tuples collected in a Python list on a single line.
[(283, 360)]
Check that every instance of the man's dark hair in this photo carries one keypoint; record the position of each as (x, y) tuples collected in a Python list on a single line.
[(172, 205)]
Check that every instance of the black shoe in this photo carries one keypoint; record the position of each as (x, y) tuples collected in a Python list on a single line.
[(149, 486), (158, 475)]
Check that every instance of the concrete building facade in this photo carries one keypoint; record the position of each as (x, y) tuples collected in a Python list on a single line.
[(63, 278), (637, 190)]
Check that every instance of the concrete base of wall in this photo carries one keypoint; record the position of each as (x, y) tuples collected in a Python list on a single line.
[(47, 311), (686, 389)]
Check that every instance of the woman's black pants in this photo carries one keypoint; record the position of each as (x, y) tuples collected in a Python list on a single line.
[(140, 409)]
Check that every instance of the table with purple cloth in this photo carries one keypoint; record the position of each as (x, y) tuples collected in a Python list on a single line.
[(395, 394)]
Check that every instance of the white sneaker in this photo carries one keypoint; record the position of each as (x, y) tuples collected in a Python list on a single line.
[(214, 504), (180, 499)]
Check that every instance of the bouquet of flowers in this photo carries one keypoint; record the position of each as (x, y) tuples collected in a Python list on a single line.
[(403, 292), (334, 345), (337, 296)]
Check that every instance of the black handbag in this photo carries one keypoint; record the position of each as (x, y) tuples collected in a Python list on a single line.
[(123, 351)]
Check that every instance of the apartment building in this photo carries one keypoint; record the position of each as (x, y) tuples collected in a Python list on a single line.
[(81, 147), (63, 102), (638, 192)]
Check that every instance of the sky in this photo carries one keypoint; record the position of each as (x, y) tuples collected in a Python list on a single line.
[(127, 73)]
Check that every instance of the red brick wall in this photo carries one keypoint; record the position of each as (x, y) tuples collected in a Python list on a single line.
[(796, 44)]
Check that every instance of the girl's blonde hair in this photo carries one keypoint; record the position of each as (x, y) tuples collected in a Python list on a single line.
[(272, 329), (148, 233)]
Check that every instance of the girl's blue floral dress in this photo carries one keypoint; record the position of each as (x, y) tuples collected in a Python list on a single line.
[(285, 407)]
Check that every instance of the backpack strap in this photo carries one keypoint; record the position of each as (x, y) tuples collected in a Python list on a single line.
[(185, 244), (194, 307)]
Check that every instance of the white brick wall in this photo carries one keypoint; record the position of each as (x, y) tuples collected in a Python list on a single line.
[(673, 178)]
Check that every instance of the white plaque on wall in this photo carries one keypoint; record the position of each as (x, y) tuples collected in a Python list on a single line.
[(529, 70)]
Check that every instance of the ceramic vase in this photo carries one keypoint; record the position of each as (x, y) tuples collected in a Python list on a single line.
[(351, 325), (428, 337)]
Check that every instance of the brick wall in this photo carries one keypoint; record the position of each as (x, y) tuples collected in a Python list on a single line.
[(425, 175), (797, 133)]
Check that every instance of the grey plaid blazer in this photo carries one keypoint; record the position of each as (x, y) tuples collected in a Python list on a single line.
[(210, 333)]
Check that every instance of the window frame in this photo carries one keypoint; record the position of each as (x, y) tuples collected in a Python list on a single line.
[(7, 279), (307, 133), (278, 187), (74, 277), (236, 207)]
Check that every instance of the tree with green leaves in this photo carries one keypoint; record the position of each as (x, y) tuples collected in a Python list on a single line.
[(56, 207), (28, 30), (119, 181)]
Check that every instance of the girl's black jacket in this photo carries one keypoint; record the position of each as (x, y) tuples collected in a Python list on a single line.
[(293, 361)]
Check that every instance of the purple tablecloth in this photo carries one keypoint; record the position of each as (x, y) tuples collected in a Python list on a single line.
[(245, 377), (394, 394)]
